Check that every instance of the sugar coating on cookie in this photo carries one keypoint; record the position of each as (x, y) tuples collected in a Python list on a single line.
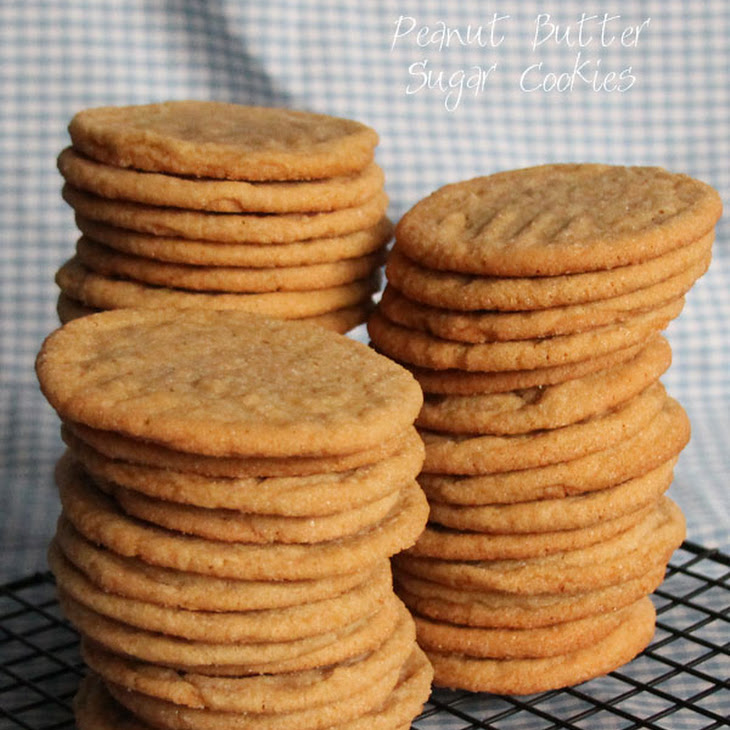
[(254, 255), (532, 675), (221, 140), (225, 383), (221, 196), (108, 262), (557, 219), (81, 284), (227, 227)]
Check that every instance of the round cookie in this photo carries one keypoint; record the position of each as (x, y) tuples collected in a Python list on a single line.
[(99, 520), (219, 627), (467, 292), (447, 544), (227, 227), (491, 326), (557, 219), (241, 385), (136, 579), (460, 382), (107, 262), (236, 659), (496, 643), (220, 196), (256, 694), (164, 714), (548, 407), (497, 609), (658, 441), (529, 676), (137, 451), (339, 320), (614, 560), (227, 525), (104, 292), (480, 454), (363, 710), (296, 496), (95, 709), (562, 513), (254, 255), (419, 348), (223, 140)]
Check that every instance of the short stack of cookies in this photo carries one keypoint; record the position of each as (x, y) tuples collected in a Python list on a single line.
[(233, 489), (222, 206), (529, 305)]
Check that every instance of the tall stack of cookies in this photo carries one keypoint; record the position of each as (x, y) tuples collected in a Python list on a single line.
[(529, 305), (213, 205), (233, 489)]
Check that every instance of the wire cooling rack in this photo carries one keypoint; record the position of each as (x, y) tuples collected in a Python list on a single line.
[(680, 681)]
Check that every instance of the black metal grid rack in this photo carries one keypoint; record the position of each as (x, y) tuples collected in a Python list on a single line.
[(680, 681)]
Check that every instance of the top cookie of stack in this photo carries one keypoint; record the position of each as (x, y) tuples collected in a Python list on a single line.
[(222, 206)]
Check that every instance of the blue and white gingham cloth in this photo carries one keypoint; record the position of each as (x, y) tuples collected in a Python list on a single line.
[(454, 89)]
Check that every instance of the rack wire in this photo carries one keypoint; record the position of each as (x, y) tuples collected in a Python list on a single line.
[(680, 681)]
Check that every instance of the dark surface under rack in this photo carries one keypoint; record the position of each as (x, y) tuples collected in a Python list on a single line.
[(680, 681)]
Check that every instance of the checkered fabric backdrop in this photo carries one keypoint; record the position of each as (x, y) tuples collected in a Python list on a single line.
[(645, 83)]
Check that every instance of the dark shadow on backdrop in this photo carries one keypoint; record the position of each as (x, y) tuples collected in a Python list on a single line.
[(235, 75)]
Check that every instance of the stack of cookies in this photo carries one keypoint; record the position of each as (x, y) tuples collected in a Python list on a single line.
[(233, 489), (529, 305), (221, 206)]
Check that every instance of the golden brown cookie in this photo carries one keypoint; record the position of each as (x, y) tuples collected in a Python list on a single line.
[(227, 227), (241, 385), (490, 326), (220, 196), (267, 694), (137, 451), (448, 544), (222, 140), (468, 292), (94, 708), (339, 320), (421, 349), (206, 253), (498, 609), (460, 382), (480, 454), (658, 441), (108, 262), (557, 219), (296, 496), (364, 706), (229, 525), (101, 521), (622, 557), (496, 643), (550, 406), (562, 513), (236, 659), (222, 627), (529, 676), (165, 714), (136, 579), (104, 292)]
